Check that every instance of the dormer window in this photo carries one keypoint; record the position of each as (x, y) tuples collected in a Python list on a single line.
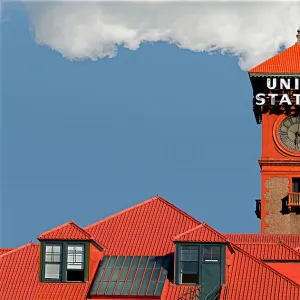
[(201, 264), (64, 261)]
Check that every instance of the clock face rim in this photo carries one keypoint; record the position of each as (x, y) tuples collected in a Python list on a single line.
[(278, 142)]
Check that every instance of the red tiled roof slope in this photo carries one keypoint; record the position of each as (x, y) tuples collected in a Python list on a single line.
[(145, 229), (19, 273), (4, 250), (174, 292), (286, 62), (292, 240), (251, 278), (201, 233), (270, 251), (62, 291), (67, 231)]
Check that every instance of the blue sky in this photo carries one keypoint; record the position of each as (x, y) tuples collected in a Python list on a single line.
[(83, 140)]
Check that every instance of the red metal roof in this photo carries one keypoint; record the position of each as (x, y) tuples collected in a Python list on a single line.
[(174, 292), (286, 62), (145, 229), (61, 291), (67, 231), (270, 251), (4, 250), (20, 273), (201, 233), (250, 278), (148, 229), (292, 240)]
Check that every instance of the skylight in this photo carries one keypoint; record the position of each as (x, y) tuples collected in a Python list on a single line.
[(131, 275)]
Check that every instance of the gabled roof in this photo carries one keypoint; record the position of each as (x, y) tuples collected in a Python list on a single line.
[(250, 276), (285, 63), (144, 229), (201, 233), (20, 272), (270, 251), (67, 231), (292, 240)]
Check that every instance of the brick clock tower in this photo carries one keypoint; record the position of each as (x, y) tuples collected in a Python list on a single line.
[(276, 105)]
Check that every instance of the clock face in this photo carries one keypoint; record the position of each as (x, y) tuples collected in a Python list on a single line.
[(289, 133)]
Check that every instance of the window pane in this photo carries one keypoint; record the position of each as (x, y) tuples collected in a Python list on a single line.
[(151, 289), (75, 257), (52, 271), (190, 278), (211, 253), (111, 287), (127, 288), (127, 261), (52, 253), (159, 288), (103, 287), (120, 262), (123, 274), (119, 288), (189, 267), (189, 253)]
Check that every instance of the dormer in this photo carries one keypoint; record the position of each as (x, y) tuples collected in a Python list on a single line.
[(65, 254), (200, 259)]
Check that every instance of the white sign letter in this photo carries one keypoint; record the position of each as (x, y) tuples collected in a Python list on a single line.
[(271, 86), (272, 98), (284, 83), (261, 98), (285, 99)]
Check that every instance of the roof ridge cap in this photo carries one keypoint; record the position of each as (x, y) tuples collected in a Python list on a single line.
[(203, 224), (31, 243), (178, 209), (72, 223), (69, 223), (158, 197), (53, 228), (120, 213), (266, 265), (289, 248)]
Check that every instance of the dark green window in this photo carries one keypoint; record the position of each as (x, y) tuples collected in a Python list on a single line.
[(64, 261), (53, 261), (201, 264), (189, 265)]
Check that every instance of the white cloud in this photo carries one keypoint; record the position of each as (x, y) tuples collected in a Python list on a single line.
[(91, 30)]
